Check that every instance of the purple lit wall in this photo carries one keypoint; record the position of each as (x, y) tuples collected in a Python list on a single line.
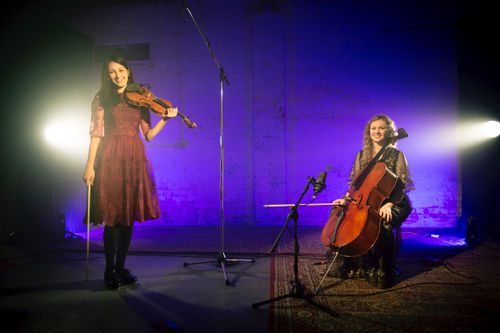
[(303, 83)]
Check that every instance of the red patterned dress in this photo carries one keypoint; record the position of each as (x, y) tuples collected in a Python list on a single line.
[(124, 188)]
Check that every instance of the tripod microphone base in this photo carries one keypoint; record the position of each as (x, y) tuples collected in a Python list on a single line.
[(297, 291), (222, 260)]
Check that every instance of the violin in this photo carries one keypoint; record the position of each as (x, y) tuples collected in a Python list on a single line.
[(140, 96)]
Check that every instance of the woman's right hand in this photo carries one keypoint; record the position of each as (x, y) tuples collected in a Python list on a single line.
[(339, 202), (88, 176)]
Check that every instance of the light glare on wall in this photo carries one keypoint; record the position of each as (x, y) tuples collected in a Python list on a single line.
[(67, 134)]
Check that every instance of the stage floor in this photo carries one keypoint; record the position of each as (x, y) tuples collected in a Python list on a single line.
[(44, 286)]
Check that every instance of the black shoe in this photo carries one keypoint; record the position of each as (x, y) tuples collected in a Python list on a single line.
[(112, 281), (126, 277), (388, 282)]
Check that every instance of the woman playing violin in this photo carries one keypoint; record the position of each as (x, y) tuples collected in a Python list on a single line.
[(123, 185), (377, 265)]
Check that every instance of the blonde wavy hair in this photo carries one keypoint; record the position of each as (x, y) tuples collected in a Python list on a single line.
[(367, 150)]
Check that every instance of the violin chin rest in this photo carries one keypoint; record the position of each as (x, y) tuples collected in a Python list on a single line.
[(133, 87)]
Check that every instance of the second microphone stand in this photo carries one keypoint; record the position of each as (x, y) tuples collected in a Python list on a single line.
[(222, 258), (297, 289)]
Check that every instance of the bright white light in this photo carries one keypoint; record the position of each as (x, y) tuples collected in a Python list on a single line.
[(491, 129), (442, 138), (68, 134), (469, 134)]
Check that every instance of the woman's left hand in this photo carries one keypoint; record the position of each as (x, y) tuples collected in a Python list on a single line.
[(386, 212), (170, 113)]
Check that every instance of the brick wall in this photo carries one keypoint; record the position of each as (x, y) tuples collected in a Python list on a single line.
[(303, 83)]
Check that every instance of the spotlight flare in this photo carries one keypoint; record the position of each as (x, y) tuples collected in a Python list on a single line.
[(69, 135), (491, 129)]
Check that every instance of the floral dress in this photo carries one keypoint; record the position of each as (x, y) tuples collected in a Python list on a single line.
[(124, 188)]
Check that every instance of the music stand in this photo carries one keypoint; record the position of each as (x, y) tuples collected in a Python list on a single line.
[(297, 289), (222, 259)]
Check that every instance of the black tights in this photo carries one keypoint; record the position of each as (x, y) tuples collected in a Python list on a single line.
[(382, 255), (116, 241)]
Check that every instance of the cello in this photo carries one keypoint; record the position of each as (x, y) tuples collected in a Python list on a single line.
[(353, 229)]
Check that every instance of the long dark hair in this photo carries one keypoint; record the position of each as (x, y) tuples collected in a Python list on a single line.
[(107, 93)]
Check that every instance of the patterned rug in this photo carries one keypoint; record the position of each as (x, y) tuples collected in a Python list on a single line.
[(459, 294)]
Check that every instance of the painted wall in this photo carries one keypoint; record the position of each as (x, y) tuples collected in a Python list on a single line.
[(303, 82)]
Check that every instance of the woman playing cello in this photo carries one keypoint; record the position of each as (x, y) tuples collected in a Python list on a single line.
[(377, 265)]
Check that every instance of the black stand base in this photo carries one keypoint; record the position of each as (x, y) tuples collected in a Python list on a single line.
[(222, 260), (297, 291)]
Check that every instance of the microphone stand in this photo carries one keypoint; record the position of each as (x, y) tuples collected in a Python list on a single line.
[(222, 258), (318, 187), (297, 290)]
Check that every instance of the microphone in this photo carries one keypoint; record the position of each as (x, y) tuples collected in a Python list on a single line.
[(320, 183)]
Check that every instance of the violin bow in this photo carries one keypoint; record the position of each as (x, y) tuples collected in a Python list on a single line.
[(88, 232)]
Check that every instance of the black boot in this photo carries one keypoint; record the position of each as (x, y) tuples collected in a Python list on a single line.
[(124, 238), (111, 279), (126, 277)]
